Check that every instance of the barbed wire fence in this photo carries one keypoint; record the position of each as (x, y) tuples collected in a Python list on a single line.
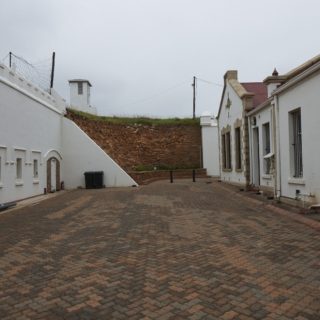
[(39, 72)]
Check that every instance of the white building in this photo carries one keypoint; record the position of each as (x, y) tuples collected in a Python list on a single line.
[(210, 145), (237, 99), (40, 148), (80, 95), (287, 129)]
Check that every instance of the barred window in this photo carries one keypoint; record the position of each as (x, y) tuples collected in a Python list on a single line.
[(296, 143)]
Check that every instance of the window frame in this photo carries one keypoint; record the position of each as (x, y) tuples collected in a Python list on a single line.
[(80, 88), (295, 141), (266, 147), (238, 148), (19, 168)]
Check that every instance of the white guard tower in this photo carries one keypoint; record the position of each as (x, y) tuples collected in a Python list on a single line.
[(80, 96)]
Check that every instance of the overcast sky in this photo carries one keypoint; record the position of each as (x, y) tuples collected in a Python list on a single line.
[(141, 55)]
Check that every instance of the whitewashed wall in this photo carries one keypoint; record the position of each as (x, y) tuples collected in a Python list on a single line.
[(82, 154), (29, 128), (81, 102), (33, 128), (229, 117), (210, 145), (305, 95)]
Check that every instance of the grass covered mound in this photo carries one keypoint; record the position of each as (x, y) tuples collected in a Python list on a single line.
[(137, 120)]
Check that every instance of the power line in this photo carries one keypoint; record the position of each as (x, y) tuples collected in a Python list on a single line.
[(209, 82)]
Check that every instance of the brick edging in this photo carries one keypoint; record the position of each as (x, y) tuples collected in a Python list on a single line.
[(285, 213)]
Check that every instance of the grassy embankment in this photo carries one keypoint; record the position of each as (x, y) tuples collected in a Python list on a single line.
[(139, 120)]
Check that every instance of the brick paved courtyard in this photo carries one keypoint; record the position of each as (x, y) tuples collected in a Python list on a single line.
[(163, 251)]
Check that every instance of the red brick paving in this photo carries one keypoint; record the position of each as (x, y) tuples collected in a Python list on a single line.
[(163, 251)]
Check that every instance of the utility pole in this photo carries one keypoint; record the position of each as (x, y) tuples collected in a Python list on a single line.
[(194, 97), (52, 70)]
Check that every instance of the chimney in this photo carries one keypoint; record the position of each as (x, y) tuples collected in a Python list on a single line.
[(231, 75), (273, 82)]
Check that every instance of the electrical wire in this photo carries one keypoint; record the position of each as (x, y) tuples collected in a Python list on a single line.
[(209, 82)]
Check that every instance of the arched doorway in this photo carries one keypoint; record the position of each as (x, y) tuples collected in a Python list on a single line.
[(53, 175)]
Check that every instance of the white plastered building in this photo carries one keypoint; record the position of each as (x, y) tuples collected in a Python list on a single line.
[(40, 148), (237, 99), (210, 146), (80, 93), (292, 115)]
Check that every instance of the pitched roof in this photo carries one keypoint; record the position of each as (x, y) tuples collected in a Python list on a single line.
[(259, 89)]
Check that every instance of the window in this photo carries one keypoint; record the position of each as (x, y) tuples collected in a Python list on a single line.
[(35, 168), (19, 169), (226, 150), (80, 88), (296, 143), (223, 150), (266, 147), (237, 140)]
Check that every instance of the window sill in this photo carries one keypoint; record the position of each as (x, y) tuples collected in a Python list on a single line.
[(227, 170), (267, 176), (298, 181), (19, 183), (239, 170), (36, 181)]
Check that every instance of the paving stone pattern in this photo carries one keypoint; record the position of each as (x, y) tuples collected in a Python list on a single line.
[(163, 251)]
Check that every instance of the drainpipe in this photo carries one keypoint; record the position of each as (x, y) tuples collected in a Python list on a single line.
[(250, 150), (278, 149), (219, 149)]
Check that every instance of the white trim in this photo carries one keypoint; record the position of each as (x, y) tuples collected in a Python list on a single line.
[(19, 183), (298, 78), (52, 150), (269, 155), (19, 149), (30, 95), (298, 181)]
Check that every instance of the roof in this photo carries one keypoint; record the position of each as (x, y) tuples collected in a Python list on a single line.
[(281, 79), (80, 80), (302, 67), (259, 89)]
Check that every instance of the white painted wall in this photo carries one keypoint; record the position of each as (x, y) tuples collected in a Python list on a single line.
[(30, 126), (81, 102), (82, 154), (210, 145), (14, 78), (305, 95), (261, 117), (228, 116)]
